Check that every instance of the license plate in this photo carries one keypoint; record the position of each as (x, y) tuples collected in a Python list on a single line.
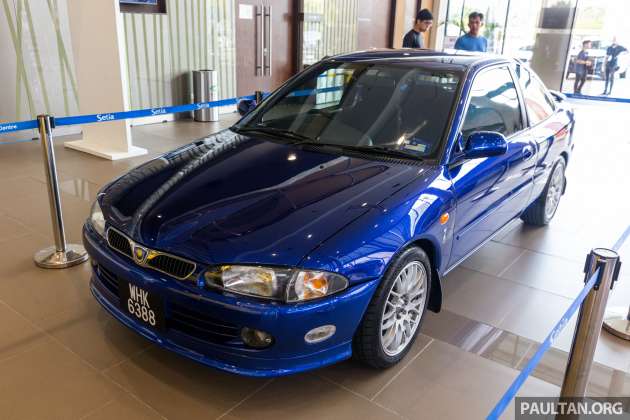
[(142, 305)]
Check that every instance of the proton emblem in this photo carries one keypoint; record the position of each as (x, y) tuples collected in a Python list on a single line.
[(139, 254)]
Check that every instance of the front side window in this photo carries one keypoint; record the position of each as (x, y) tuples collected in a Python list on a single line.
[(494, 104), (402, 108), (539, 105)]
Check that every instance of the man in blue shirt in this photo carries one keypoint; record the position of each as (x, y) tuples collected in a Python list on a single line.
[(472, 41)]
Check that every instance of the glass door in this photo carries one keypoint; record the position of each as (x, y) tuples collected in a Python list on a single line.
[(598, 60), (329, 27)]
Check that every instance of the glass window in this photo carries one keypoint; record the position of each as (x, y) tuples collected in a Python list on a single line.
[(538, 102), (392, 107), (494, 104), (494, 12)]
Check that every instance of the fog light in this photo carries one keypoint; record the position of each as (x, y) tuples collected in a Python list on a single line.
[(319, 334), (256, 338)]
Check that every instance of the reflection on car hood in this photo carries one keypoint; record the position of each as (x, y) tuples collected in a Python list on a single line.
[(231, 198)]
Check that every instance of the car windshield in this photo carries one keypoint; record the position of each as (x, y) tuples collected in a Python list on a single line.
[(401, 109)]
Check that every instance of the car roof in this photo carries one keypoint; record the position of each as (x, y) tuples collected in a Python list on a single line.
[(449, 60)]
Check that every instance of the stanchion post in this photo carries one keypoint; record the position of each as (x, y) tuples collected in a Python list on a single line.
[(258, 95), (589, 322), (61, 255)]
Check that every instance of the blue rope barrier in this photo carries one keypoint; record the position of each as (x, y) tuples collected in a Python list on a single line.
[(597, 98), (150, 112), (555, 332), (114, 116), (17, 126), (624, 236)]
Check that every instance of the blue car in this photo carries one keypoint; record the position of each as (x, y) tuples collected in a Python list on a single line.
[(320, 226)]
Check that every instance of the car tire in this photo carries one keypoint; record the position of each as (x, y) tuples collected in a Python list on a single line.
[(373, 342), (541, 211)]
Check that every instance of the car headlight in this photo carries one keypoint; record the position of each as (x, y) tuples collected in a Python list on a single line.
[(97, 220), (286, 284)]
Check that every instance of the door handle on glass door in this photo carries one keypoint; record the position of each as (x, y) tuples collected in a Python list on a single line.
[(267, 47), (260, 40)]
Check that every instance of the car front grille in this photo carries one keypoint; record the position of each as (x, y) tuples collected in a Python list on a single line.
[(176, 267), (166, 263), (108, 279), (201, 326), (180, 318), (119, 242)]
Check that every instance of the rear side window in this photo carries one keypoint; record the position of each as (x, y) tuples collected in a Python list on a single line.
[(494, 104), (539, 105)]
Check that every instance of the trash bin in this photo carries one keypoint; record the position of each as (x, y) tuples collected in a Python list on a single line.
[(205, 90)]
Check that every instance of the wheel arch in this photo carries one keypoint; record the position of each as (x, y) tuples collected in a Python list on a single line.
[(433, 252)]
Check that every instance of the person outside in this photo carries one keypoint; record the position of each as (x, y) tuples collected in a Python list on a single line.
[(582, 64), (423, 22), (473, 41), (612, 65)]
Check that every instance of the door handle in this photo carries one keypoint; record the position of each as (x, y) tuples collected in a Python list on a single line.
[(260, 40), (267, 40), (528, 153)]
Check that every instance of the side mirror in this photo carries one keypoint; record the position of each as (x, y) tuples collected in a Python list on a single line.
[(245, 106), (485, 144)]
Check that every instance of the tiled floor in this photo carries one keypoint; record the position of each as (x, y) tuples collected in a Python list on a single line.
[(63, 357)]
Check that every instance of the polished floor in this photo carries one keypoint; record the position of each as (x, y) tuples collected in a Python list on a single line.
[(63, 357)]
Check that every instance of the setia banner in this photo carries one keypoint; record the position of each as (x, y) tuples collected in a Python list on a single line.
[(588, 408)]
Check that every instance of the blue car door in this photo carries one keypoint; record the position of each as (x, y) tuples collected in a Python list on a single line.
[(491, 191)]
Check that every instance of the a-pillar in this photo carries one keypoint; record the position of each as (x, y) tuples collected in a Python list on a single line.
[(98, 44)]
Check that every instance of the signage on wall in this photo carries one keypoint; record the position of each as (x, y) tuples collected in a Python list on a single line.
[(143, 6)]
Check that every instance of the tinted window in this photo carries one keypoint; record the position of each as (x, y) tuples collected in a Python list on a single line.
[(539, 105), (402, 107), (494, 104)]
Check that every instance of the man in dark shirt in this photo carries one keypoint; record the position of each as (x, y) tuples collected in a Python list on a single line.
[(413, 38), (582, 63), (612, 65)]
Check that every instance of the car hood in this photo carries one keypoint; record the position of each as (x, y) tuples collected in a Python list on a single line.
[(239, 199)]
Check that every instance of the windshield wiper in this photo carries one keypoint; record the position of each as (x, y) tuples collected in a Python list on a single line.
[(368, 149), (278, 132)]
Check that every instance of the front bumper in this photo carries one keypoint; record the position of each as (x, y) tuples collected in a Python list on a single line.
[(209, 331)]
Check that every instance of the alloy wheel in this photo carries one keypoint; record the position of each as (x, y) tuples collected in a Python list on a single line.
[(404, 308), (554, 192)]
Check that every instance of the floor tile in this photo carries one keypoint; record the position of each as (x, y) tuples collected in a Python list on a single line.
[(39, 293), (548, 273), (307, 397), (124, 407), (49, 382), (94, 335), (17, 334), (368, 381), (441, 375), (479, 296), (179, 388), (493, 258)]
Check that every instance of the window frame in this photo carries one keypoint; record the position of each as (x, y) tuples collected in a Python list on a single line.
[(545, 92), (455, 154)]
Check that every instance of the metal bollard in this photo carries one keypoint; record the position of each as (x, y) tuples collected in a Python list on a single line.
[(589, 322), (61, 255), (258, 95)]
